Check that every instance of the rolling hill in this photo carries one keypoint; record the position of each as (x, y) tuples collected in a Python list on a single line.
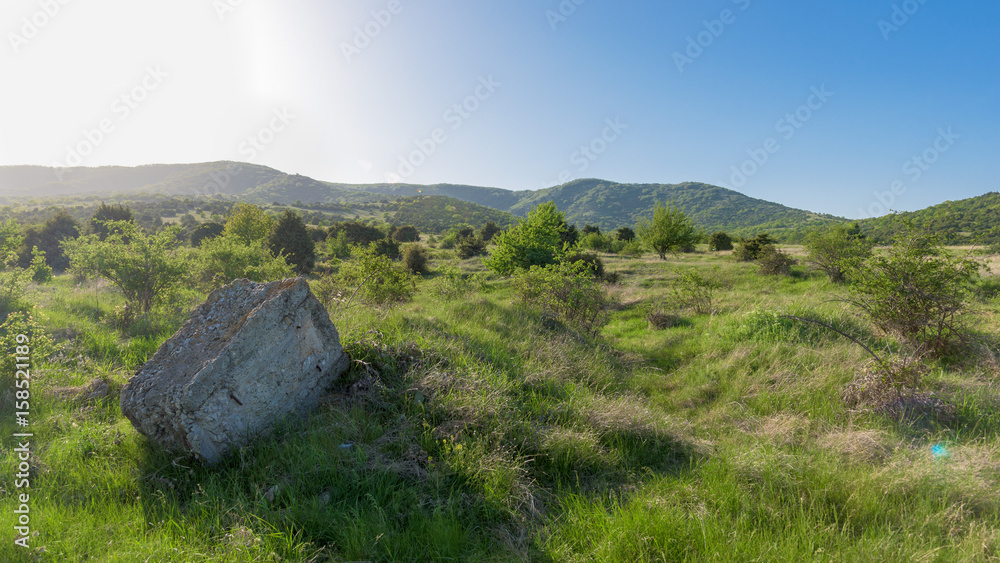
[(606, 204), (975, 220)]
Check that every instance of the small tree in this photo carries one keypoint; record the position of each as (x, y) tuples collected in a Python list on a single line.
[(223, 259), (205, 231), (374, 278), (144, 267), (625, 234), (248, 223), (106, 213), (58, 227), (536, 241), (750, 249), (489, 230), (774, 262), (667, 231), (469, 243), (415, 257), (829, 250), (720, 241), (290, 238), (405, 234), (590, 229), (916, 291), (567, 292), (356, 232)]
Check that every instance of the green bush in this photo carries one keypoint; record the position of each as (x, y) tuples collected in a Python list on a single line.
[(105, 214), (632, 249), (41, 272), (144, 267), (289, 237), (13, 278), (693, 291), (415, 258), (249, 224), (720, 241), (750, 249), (338, 246), (469, 243), (205, 231), (625, 234), (356, 232), (668, 230), (386, 247), (567, 292), (916, 291), (374, 277), (223, 259), (830, 249), (536, 241), (596, 241), (591, 260), (774, 262), (405, 234)]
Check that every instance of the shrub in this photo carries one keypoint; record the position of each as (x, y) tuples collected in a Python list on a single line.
[(21, 328), (356, 232), (317, 234), (249, 224), (916, 291), (13, 278), (386, 247), (489, 230), (374, 278), (405, 234), (668, 230), (290, 238), (41, 272), (595, 241), (625, 234), (590, 230), (205, 231), (774, 262), (693, 291), (415, 258), (223, 259), (536, 241), (720, 241), (830, 249), (47, 237), (660, 319), (567, 292), (591, 260), (469, 243), (633, 249), (105, 214), (144, 267), (749, 249), (338, 246)]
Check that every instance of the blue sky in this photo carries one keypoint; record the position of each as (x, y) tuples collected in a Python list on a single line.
[(849, 108)]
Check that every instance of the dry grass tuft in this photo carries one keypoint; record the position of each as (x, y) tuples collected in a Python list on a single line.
[(784, 429), (859, 446)]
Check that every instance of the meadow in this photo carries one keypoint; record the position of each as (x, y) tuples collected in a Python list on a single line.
[(471, 427)]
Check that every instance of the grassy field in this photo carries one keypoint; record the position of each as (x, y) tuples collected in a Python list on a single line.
[(470, 428)]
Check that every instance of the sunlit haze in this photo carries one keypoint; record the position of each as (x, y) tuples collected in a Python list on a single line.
[(849, 108)]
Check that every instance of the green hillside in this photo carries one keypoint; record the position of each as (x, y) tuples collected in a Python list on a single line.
[(608, 205), (438, 213), (967, 221)]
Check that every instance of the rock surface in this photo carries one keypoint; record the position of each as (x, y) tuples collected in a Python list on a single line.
[(250, 354)]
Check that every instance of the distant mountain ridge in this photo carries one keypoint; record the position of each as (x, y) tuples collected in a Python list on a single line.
[(605, 204)]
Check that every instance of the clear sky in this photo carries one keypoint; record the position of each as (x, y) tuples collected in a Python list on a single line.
[(826, 106)]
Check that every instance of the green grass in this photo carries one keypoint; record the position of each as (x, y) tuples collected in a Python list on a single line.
[(471, 429)]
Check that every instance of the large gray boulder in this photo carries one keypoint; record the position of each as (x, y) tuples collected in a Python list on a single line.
[(249, 355)]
